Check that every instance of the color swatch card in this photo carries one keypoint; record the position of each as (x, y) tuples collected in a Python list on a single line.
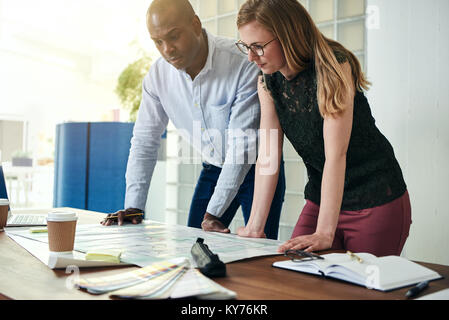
[(100, 285), (154, 288), (194, 284)]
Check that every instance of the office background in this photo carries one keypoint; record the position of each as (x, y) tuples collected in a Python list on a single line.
[(81, 49)]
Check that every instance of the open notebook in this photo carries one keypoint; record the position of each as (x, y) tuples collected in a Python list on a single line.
[(384, 273)]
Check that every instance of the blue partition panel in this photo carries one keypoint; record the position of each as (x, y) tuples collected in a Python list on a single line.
[(90, 165), (109, 149), (70, 165), (3, 192)]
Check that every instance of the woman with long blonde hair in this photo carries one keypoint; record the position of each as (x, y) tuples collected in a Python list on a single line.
[(312, 90)]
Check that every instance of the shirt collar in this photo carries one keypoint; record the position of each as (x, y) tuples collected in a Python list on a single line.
[(211, 48), (211, 44)]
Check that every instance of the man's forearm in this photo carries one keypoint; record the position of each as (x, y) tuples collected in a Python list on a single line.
[(139, 171), (228, 184)]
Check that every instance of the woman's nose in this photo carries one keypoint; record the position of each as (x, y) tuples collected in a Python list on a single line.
[(252, 56)]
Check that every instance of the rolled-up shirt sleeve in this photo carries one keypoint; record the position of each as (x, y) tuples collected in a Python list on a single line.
[(241, 142), (150, 124)]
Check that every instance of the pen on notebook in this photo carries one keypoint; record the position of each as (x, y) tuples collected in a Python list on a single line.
[(127, 215), (353, 255), (417, 289)]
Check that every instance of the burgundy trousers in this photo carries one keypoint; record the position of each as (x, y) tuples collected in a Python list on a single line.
[(380, 230)]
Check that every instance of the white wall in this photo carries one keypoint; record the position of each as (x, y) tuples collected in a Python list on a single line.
[(408, 64), (60, 61), (155, 206), (11, 139)]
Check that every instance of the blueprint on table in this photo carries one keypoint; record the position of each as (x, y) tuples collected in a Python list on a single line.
[(151, 241)]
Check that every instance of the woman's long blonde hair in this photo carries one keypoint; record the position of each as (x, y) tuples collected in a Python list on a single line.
[(303, 44)]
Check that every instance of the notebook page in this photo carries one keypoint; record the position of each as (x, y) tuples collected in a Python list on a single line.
[(298, 266), (349, 269), (384, 273), (313, 266), (344, 260), (396, 272), (439, 295)]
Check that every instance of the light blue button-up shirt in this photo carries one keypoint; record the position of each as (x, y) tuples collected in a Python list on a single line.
[(211, 113)]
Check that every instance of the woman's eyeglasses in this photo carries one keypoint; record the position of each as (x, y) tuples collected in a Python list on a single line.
[(301, 256), (257, 49)]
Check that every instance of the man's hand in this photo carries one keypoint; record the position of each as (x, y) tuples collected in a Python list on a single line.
[(121, 216), (212, 223)]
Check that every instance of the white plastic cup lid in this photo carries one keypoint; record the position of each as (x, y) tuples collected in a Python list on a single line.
[(4, 202), (61, 216)]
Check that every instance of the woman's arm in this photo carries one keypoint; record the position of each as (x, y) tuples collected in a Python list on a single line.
[(336, 133), (271, 139)]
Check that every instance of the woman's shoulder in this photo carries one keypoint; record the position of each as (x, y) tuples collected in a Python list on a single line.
[(271, 82), (276, 76), (265, 77)]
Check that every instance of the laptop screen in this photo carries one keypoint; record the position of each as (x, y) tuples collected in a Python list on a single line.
[(3, 193)]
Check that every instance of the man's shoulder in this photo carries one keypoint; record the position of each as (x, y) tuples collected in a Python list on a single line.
[(158, 65), (158, 69), (226, 47), (228, 58)]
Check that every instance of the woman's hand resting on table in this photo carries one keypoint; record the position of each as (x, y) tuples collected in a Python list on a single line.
[(308, 243)]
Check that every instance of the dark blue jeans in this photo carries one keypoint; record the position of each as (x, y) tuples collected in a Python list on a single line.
[(205, 188)]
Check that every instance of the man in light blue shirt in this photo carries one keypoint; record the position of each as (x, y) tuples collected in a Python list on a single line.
[(208, 89)]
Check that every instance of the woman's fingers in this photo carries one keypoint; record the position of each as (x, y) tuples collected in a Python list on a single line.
[(308, 243), (297, 243), (301, 245), (309, 249)]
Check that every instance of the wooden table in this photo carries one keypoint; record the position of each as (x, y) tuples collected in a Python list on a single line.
[(24, 277)]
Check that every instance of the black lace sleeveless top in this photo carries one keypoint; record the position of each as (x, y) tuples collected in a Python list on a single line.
[(373, 176)]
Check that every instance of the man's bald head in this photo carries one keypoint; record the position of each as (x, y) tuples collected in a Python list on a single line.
[(182, 8), (177, 33)]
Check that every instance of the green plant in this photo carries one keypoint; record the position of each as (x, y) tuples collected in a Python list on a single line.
[(129, 86), (21, 154)]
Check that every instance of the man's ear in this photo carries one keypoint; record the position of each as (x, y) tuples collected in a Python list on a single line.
[(198, 27)]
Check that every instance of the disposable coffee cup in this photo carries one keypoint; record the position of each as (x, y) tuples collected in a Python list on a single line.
[(61, 228), (4, 205)]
